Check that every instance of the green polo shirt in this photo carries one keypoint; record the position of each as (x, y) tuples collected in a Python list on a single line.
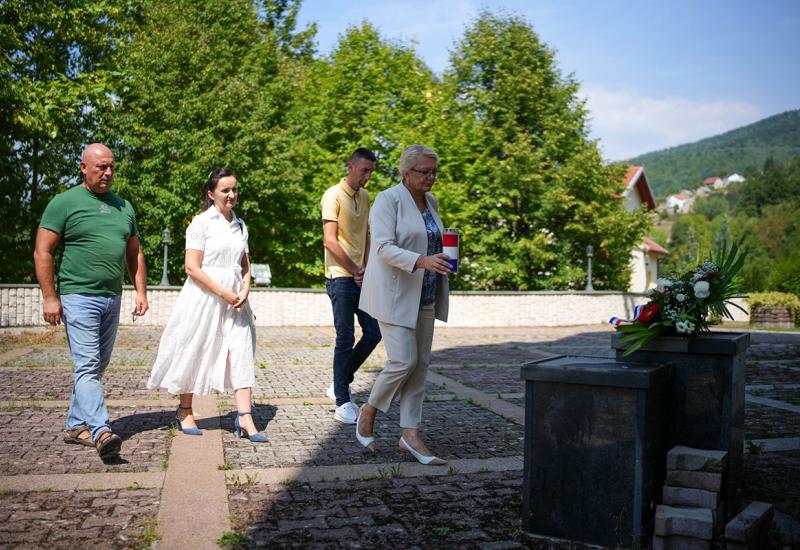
[(94, 229)]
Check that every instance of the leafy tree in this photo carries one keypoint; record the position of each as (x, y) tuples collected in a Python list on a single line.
[(203, 85), (50, 91), (785, 277), (371, 93), (521, 179)]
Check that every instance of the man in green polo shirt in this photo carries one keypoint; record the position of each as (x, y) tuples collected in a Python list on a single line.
[(96, 231), (345, 225)]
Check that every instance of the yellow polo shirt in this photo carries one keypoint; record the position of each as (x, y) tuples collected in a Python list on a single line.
[(350, 210)]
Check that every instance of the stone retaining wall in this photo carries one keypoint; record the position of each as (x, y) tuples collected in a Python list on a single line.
[(20, 305)]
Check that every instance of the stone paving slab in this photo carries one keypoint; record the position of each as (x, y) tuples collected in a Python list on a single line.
[(308, 381), (513, 353), (772, 350), (297, 336), (117, 518), (56, 384), (761, 422), (71, 482), (355, 472), (774, 478), (31, 337), (309, 435), (785, 394), (459, 511), (771, 372), (60, 358), (486, 378), (320, 356), (31, 442)]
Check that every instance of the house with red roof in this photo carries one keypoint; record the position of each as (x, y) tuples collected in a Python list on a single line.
[(644, 258), (714, 182), (679, 202)]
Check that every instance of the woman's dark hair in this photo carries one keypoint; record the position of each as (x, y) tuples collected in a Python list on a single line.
[(213, 179)]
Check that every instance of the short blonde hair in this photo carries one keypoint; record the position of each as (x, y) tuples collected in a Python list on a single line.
[(411, 154)]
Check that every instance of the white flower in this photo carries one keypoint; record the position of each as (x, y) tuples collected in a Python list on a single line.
[(702, 289), (680, 297), (684, 327), (663, 283)]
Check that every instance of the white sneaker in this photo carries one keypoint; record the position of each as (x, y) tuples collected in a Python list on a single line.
[(347, 413)]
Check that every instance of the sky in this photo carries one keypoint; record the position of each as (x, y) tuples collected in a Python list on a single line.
[(654, 74)]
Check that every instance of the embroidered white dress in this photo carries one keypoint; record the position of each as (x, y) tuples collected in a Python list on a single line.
[(203, 329)]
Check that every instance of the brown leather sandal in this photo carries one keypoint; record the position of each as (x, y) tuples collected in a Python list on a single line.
[(73, 436), (108, 444)]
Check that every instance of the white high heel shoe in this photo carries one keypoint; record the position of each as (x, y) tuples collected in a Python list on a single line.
[(421, 458), (367, 441)]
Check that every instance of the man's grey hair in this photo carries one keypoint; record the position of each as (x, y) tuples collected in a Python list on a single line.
[(411, 155)]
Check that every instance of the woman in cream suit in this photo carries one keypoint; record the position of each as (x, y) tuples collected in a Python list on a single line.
[(405, 288)]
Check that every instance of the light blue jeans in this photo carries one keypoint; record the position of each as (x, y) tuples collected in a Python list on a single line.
[(91, 324)]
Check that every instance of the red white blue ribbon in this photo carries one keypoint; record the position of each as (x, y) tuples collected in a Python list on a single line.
[(616, 321)]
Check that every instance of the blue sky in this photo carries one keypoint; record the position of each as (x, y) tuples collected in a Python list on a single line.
[(655, 74)]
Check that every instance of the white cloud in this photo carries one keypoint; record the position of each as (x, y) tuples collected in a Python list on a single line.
[(629, 123)]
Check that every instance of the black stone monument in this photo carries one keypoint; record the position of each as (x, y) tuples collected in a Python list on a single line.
[(595, 448), (706, 396)]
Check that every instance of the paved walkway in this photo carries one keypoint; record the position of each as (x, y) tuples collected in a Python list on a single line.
[(312, 486)]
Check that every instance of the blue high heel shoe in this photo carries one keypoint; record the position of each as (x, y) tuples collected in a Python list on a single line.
[(187, 431), (241, 432)]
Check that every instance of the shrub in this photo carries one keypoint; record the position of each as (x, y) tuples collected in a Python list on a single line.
[(776, 299), (786, 275)]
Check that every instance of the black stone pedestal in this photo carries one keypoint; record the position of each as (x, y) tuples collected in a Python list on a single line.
[(706, 396), (595, 448)]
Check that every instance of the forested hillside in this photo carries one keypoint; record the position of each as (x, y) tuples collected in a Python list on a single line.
[(738, 151), (763, 213)]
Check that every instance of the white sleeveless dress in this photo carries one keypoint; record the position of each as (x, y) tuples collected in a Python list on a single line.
[(203, 329)]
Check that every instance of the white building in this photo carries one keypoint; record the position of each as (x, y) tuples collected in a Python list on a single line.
[(733, 178), (679, 202), (644, 258)]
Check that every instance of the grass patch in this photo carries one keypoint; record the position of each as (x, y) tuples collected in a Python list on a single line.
[(754, 448), (225, 466), (392, 472), (232, 540), (248, 481), (290, 482), (171, 431), (142, 533)]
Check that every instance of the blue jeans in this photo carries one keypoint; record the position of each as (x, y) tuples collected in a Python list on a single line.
[(344, 294), (91, 323)]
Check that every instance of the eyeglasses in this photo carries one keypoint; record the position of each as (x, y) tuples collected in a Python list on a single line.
[(426, 173)]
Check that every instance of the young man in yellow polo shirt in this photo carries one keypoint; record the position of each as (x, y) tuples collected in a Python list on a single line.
[(345, 224)]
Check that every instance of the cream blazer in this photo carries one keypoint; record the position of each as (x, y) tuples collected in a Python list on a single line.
[(392, 288)]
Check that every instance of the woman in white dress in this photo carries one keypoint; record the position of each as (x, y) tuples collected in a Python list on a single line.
[(209, 341)]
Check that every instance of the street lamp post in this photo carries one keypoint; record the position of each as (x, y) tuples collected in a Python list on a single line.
[(166, 240), (589, 254)]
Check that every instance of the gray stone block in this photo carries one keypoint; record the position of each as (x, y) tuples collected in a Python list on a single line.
[(749, 525), (696, 460), (688, 522), (680, 543), (680, 496), (708, 481)]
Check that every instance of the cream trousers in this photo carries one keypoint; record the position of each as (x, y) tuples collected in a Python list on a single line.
[(409, 354)]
